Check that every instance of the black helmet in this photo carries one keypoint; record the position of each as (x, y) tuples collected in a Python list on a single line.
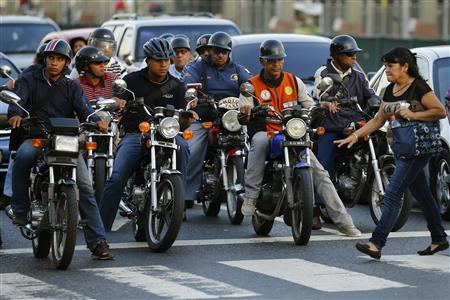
[(158, 48), (180, 42), (40, 54), (272, 49), (103, 38), (87, 55), (343, 44), (60, 47), (202, 41), (221, 40)]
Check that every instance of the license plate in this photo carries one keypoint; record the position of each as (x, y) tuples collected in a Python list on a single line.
[(296, 144)]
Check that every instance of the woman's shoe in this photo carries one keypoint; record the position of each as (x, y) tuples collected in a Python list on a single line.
[(428, 251), (364, 248)]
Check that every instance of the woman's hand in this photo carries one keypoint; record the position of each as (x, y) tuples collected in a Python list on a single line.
[(349, 141), (405, 113)]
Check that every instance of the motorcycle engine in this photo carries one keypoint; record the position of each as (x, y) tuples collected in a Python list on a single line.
[(350, 181)]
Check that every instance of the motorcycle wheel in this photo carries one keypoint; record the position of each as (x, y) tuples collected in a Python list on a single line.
[(376, 201), (440, 169), (99, 177), (162, 226), (41, 244), (261, 226), (65, 235), (235, 173), (138, 227), (302, 213)]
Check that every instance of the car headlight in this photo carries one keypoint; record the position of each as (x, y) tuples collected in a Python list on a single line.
[(296, 128), (230, 121), (169, 127), (66, 143)]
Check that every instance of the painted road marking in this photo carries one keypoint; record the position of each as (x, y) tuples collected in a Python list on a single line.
[(432, 263)]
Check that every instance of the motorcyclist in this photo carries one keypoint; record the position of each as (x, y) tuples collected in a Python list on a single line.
[(202, 45), (182, 56), (103, 39), (220, 78), (158, 88), (282, 90), (47, 93)]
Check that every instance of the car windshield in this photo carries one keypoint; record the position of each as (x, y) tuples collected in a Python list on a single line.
[(193, 32), (441, 77), (14, 70), (22, 38)]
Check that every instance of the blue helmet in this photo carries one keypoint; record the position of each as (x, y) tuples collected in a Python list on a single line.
[(158, 48)]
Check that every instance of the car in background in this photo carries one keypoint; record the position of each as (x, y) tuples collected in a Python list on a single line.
[(5, 130), (21, 35), (131, 31), (305, 53), (68, 35), (434, 67)]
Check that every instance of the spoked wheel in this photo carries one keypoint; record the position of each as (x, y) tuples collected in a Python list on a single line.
[(235, 174), (99, 177), (440, 171), (42, 243), (261, 226), (162, 225), (302, 213), (65, 233), (376, 201)]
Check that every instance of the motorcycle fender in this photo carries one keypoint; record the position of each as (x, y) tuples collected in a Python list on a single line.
[(385, 159), (302, 165), (66, 181), (168, 172)]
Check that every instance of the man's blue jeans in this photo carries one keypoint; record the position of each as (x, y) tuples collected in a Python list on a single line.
[(409, 173), (326, 152), (26, 157), (128, 155)]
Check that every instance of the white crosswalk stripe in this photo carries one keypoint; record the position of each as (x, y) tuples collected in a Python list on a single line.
[(18, 286), (317, 276), (165, 282), (435, 263)]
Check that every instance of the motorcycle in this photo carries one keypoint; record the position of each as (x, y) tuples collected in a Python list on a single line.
[(287, 184), (223, 172), (53, 217), (154, 196), (365, 169)]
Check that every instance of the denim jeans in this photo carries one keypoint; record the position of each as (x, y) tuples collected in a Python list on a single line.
[(409, 173), (128, 155), (7, 187), (326, 152), (26, 157)]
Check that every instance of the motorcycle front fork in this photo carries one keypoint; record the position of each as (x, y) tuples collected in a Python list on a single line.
[(376, 168), (223, 163)]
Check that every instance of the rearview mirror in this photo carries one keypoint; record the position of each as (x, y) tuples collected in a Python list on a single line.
[(107, 104), (9, 97), (190, 94), (247, 89), (325, 83), (119, 86), (5, 72)]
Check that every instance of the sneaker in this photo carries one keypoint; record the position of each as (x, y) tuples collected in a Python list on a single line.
[(349, 230), (4, 201), (248, 206), (102, 252)]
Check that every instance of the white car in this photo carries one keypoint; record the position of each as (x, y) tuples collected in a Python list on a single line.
[(434, 66)]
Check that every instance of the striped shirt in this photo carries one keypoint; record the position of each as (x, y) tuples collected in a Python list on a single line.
[(103, 89)]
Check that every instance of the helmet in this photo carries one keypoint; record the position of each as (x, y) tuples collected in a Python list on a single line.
[(167, 36), (447, 96), (221, 40), (272, 49), (202, 41), (60, 47), (343, 44), (158, 48), (40, 54), (87, 55), (103, 38), (180, 42)]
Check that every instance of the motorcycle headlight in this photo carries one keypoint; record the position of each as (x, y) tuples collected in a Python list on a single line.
[(169, 127), (66, 143), (230, 121), (296, 128)]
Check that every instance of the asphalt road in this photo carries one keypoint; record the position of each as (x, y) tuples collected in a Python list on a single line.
[(213, 259)]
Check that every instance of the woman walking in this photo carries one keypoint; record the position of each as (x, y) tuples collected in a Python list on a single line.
[(406, 85)]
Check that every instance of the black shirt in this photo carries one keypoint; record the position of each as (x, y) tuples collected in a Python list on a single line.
[(169, 92), (412, 95)]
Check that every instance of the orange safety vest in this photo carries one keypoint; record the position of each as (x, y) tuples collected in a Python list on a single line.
[(278, 98)]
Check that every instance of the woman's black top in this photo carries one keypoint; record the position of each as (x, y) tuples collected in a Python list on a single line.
[(413, 94)]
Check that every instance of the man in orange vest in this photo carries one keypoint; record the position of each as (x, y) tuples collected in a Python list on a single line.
[(281, 90)]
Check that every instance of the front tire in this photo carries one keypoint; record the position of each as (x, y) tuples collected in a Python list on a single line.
[(439, 186), (235, 173), (99, 177), (261, 226), (41, 244), (65, 235), (162, 226), (302, 213), (376, 202)]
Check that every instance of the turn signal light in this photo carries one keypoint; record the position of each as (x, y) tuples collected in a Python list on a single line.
[(270, 134), (188, 134), (366, 138), (361, 123), (37, 143), (91, 145), (144, 127), (320, 131), (207, 125)]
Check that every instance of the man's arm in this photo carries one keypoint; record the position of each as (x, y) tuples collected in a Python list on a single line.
[(81, 104), (192, 74), (304, 98), (21, 89)]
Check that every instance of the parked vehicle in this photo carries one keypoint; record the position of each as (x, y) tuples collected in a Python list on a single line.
[(68, 35), (131, 31), (21, 35), (434, 67)]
